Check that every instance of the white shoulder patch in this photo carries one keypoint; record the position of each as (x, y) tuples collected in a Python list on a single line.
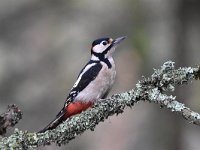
[(81, 74)]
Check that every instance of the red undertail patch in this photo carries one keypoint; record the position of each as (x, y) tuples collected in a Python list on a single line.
[(76, 108)]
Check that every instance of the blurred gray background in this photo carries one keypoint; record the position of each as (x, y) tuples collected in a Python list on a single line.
[(44, 45)]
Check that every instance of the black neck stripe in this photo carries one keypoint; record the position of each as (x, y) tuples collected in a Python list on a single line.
[(107, 63), (101, 58)]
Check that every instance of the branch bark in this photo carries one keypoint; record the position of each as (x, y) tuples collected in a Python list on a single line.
[(150, 89), (10, 118)]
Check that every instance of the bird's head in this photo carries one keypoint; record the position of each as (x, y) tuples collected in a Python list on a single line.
[(104, 47)]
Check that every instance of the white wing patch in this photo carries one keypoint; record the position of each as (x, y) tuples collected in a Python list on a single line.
[(84, 70)]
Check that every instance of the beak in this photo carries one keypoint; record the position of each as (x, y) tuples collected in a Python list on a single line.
[(118, 40)]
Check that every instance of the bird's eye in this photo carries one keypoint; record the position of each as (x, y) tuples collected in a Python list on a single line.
[(105, 43)]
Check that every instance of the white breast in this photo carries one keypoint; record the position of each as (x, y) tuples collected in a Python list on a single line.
[(98, 87)]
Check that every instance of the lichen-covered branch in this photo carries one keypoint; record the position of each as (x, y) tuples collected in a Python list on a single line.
[(150, 89), (9, 118)]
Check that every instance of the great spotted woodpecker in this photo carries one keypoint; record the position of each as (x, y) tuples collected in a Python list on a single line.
[(94, 81)]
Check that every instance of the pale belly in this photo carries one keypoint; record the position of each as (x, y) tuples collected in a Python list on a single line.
[(98, 87)]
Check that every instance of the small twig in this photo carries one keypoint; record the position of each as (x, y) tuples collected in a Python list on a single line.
[(10, 118)]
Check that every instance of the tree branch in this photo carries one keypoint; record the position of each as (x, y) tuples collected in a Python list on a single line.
[(148, 89), (10, 118)]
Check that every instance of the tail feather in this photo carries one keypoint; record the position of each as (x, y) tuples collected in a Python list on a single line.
[(53, 124), (68, 111)]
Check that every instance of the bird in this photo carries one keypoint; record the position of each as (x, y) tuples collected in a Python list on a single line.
[(93, 82)]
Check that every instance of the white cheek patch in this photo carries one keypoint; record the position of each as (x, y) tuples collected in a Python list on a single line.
[(100, 48)]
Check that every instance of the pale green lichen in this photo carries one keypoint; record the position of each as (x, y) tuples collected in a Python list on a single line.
[(153, 94), (195, 115), (175, 106), (167, 66)]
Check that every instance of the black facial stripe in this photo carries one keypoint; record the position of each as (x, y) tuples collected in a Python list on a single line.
[(107, 49), (99, 55), (102, 58)]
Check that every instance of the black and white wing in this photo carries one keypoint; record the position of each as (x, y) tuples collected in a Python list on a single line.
[(87, 74)]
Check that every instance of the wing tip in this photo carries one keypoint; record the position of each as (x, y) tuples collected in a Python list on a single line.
[(54, 123)]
